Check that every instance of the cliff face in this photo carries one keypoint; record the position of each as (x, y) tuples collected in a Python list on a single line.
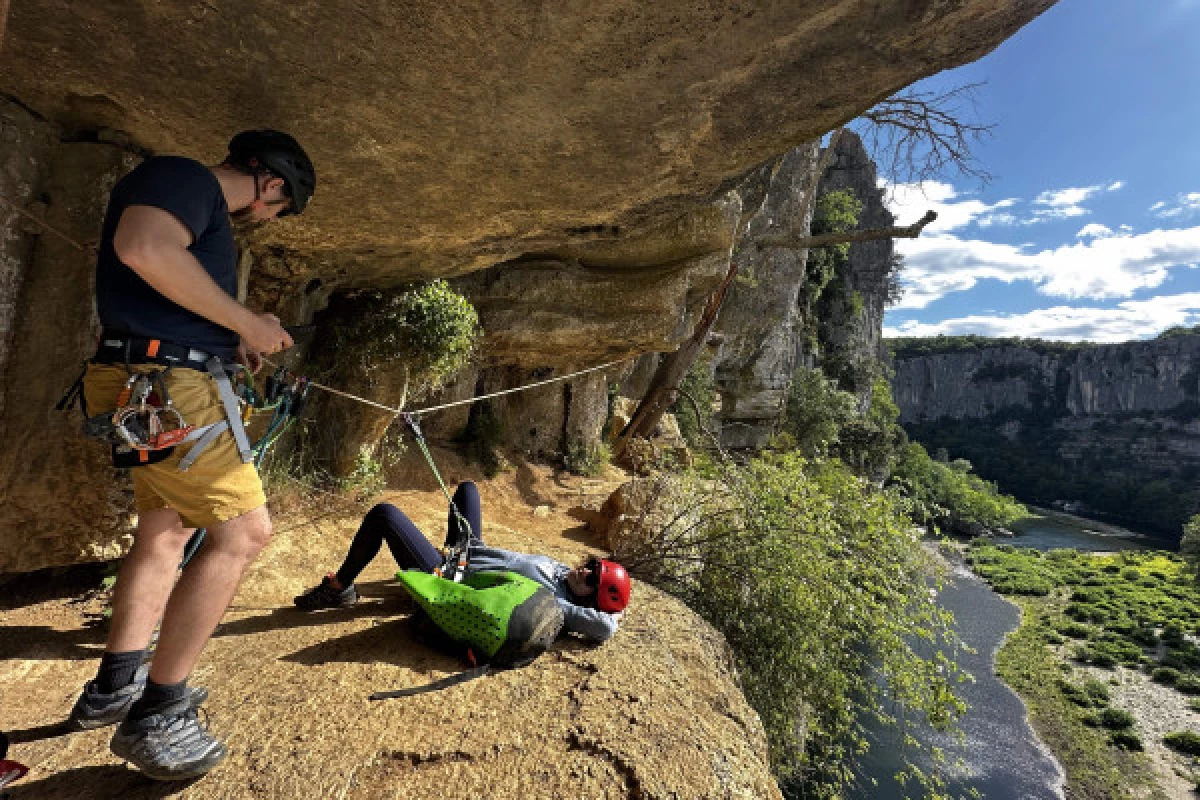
[(764, 331), (572, 166), (1153, 377), (1121, 421)]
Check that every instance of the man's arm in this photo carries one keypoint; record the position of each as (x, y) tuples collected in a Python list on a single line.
[(154, 244), (591, 623)]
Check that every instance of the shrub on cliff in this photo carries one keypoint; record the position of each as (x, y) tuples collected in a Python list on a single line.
[(949, 496), (822, 589)]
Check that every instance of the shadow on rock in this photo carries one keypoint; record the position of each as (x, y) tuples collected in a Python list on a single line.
[(397, 642), (43, 643), (106, 780)]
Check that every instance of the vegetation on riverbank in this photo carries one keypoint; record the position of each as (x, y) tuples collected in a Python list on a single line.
[(1139, 610)]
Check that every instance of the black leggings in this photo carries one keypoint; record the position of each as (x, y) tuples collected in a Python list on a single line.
[(410, 548)]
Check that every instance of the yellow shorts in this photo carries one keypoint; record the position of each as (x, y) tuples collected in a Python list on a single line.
[(218, 486)]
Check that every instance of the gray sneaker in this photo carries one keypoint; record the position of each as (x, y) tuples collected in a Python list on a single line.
[(171, 745), (97, 709), (323, 595)]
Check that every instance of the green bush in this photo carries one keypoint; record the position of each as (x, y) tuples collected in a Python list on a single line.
[(816, 412), (429, 329), (949, 498), (820, 587), (1097, 691), (1126, 740), (1188, 684), (1186, 742), (1165, 675), (1116, 719), (1076, 630), (584, 458)]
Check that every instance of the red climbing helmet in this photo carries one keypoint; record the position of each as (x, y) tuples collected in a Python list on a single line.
[(612, 585)]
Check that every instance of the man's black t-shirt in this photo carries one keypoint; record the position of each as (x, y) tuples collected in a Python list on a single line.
[(126, 303)]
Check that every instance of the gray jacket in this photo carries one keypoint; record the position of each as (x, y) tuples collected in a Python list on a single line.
[(588, 622)]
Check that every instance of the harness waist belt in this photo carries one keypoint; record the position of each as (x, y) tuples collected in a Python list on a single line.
[(119, 348)]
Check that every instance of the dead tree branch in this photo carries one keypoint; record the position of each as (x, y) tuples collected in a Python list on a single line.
[(827, 239), (923, 135)]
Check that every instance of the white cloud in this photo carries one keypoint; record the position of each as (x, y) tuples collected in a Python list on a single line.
[(1185, 205), (1061, 203), (1112, 187), (909, 202), (1131, 319), (1094, 230), (1095, 268)]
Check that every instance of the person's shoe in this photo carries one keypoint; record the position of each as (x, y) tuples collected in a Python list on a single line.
[(325, 596), (97, 709), (169, 745)]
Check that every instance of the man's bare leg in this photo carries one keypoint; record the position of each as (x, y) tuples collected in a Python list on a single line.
[(204, 592), (145, 579)]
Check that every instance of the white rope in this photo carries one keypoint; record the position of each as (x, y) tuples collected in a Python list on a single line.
[(431, 409), (420, 411)]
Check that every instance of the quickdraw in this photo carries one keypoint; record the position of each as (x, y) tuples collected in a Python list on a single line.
[(145, 417)]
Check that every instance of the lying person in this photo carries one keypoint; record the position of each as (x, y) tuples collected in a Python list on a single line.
[(593, 595)]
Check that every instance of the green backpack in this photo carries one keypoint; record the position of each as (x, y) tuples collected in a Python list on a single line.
[(505, 619)]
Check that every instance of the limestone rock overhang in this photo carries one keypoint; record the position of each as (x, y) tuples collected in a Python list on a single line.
[(450, 136)]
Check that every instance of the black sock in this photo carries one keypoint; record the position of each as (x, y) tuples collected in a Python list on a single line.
[(117, 669), (158, 696)]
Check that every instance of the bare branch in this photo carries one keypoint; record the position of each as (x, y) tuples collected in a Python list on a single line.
[(922, 135), (827, 239)]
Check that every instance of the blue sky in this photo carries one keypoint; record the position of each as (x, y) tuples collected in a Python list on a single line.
[(1090, 227)]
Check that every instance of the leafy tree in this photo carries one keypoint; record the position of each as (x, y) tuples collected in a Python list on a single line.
[(822, 589), (949, 496)]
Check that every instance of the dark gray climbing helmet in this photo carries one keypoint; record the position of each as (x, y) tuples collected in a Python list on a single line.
[(281, 155)]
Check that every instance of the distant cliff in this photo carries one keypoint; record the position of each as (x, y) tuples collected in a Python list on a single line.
[(1114, 427)]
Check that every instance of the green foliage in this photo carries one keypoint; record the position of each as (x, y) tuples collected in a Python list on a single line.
[(1094, 769), (1126, 740), (1186, 742), (836, 212), (697, 385), (1189, 545), (1116, 719), (1178, 330), (821, 420), (1117, 615), (1188, 684), (821, 588), (367, 477), (1092, 694), (1165, 675), (587, 458), (914, 347), (816, 413), (1028, 464), (950, 497), (428, 328)]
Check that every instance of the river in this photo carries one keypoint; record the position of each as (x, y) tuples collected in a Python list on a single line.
[(1002, 757)]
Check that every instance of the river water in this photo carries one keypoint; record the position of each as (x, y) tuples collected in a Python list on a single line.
[(1002, 757)]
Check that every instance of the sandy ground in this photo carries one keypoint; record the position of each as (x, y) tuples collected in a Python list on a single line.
[(653, 713)]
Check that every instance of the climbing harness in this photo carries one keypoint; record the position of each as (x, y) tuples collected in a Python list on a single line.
[(145, 427)]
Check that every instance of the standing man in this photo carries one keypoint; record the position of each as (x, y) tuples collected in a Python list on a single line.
[(166, 281)]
